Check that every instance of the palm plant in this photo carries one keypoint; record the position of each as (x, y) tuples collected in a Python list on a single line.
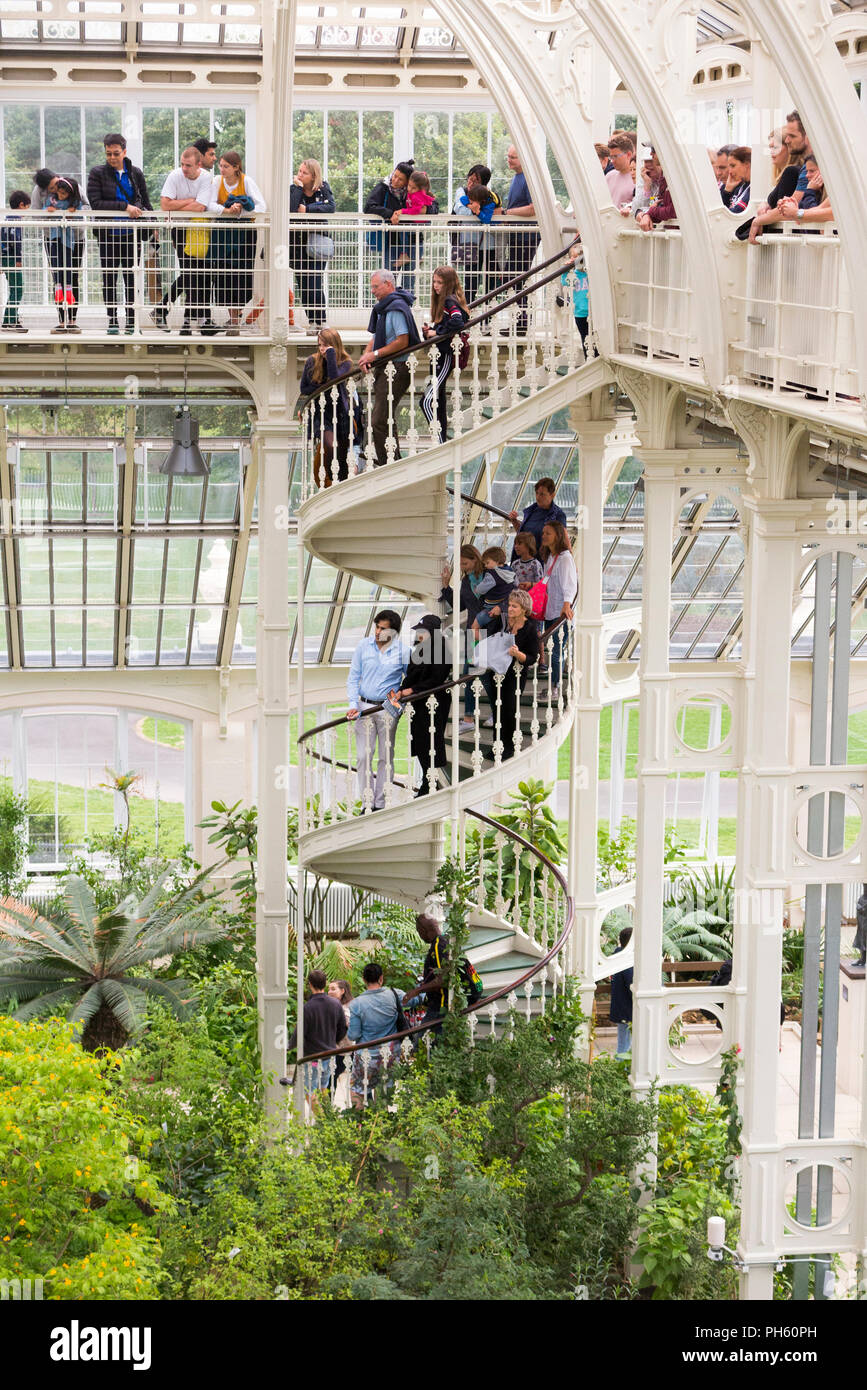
[(75, 960)]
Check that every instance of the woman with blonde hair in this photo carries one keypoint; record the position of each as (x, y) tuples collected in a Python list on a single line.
[(448, 313), (312, 248), (232, 250), (330, 418)]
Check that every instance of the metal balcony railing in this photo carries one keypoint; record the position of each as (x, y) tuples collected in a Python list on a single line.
[(791, 319), (98, 273)]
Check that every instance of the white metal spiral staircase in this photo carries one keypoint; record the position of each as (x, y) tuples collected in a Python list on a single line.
[(389, 526)]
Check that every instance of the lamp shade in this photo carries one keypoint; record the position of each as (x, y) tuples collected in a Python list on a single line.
[(184, 458)]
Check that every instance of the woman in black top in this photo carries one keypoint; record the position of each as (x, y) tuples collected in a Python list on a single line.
[(427, 669), (524, 650), (787, 167), (449, 313), (311, 248), (330, 363), (385, 199)]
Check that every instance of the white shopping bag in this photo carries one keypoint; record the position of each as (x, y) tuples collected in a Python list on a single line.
[(492, 653)]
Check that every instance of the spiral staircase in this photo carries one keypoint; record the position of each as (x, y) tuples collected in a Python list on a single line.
[(389, 525)]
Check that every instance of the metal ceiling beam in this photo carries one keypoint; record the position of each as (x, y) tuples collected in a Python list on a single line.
[(241, 552)]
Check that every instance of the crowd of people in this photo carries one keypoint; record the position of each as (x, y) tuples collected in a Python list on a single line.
[(515, 602), (216, 259), (334, 1019), (799, 194)]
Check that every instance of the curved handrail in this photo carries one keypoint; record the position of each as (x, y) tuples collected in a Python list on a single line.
[(477, 501), (410, 699), (487, 999), (428, 343)]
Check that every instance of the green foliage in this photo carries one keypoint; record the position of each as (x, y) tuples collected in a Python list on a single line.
[(197, 1085), (527, 814), (693, 1137), (685, 936), (14, 818), (672, 1243), (726, 1093), (516, 1188), (615, 854), (113, 865), (710, 889), (78, 1199), (90, 962), (398, 948)]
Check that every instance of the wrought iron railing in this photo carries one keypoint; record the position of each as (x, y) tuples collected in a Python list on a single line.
[(549, 928)]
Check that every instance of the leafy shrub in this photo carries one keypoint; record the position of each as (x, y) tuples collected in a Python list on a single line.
[(77, 1197)]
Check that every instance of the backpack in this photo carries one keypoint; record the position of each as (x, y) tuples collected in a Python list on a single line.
[(471, 981), (463, 351)]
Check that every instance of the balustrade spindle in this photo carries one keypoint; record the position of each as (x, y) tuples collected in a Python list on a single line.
[(369, 454), (543, 980), (456, 415), (498, 720), (365, 1065), (511, 1004), (493, 1010), (334, 394), (528, 996), (412, 432), (306, 455), (518, 735), (534, 722), (549, 713), (473, 1023), (475, 387), (391, 437), (476, 755), (431, 703), (532, 902), (499, 899)]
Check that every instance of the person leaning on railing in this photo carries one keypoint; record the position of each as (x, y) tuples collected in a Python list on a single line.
[(43, 198), (814, 206), (12, 260), (375, 672), (310, 248), (118, 186), (471, 567), (330, 362), (188, 189), (386, 198), (787, 166), (232, 251)]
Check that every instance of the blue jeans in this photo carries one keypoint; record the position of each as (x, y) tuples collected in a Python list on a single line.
[(624, 1039)]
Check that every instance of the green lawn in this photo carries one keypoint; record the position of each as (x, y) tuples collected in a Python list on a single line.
[(100, 814), (164, 731)]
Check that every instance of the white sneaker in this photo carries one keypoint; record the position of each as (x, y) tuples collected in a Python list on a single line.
[(466, 726), (488, 723)]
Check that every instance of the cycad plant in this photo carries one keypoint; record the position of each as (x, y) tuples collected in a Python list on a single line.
[(76, 962), (686, 935)]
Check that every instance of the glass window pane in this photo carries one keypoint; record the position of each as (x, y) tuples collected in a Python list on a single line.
[(193, 123), (431, 150), (63, 140), (67, 562), (206, 636), (34, 566), (222, 497), (160, 155), (100, 485), (308, 136), (173, 640), (100, 635), (36, 627), (181, 570), (68, 637), (230, 133), (99, 121), (21, 145), (101, 571), (469, 145), (142, 642), (342, 172), (67, 503), (377, 151), (147, 569), (186, 503)]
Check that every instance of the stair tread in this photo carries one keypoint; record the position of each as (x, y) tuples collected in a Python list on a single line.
[(510, 960), (483, 936)]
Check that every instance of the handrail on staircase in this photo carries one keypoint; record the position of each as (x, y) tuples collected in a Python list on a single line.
[(487, 999), (428, 343), (477, 502), (410, 699)]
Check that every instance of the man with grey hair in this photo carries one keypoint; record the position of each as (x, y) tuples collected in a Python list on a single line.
[(394, 330)]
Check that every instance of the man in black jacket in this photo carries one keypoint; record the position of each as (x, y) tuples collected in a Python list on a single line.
[(428, 668), (118, 186)]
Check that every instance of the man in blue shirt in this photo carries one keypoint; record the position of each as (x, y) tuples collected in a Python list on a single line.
[(376, 669), (540, 512), (394, 329), (372, 1014), (520, 247)]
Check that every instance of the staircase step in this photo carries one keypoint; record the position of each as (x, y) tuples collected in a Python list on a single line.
[(482, 936), (517, 961)]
